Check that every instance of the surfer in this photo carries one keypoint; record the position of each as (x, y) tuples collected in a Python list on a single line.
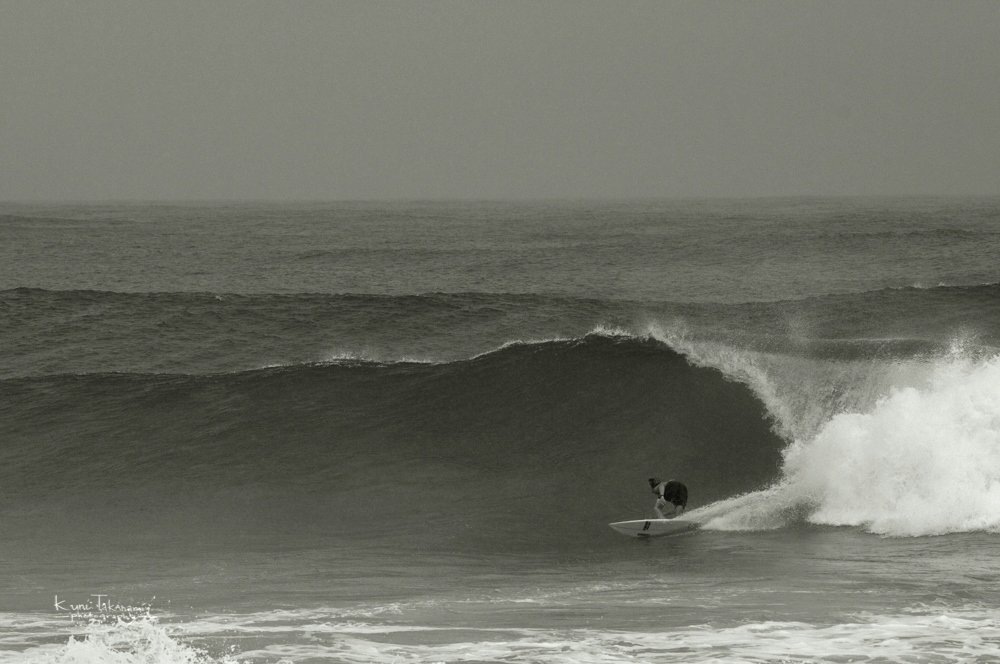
[(671, 495)]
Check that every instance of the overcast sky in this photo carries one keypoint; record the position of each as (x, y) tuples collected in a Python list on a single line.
[(331, 100)]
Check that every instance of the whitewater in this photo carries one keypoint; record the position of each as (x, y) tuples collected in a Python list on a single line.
[(382, 432)]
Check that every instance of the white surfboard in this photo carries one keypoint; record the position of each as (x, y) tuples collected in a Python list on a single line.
[(654, 527)]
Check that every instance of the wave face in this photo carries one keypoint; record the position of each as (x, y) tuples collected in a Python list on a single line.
[(145, 416), (534, 443), (545, 442)]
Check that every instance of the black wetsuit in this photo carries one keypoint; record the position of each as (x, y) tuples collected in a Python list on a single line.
[(674, 492)]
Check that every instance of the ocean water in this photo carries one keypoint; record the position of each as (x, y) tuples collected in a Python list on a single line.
[(396, 432)]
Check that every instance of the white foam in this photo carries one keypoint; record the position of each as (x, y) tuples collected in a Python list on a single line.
[(125, 642), (367, 357), (898, 448), (918, 457), (614, 332), (957, 635), (515, 343), (921, 462), (944, 637)]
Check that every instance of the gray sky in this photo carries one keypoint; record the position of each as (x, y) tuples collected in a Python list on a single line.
[(244, 99)]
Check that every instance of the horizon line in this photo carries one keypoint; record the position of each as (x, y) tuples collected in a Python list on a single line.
[(470, 200)]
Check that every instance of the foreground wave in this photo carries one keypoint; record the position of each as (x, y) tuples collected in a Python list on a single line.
[(492, 453), (416, 454)]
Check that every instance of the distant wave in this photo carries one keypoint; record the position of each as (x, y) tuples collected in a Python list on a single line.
[(963, 234), (51, 332)]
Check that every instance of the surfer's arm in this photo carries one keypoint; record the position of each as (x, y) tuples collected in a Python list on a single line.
[(660, 502)]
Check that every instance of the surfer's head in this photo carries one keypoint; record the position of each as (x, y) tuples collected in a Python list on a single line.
[(653, 481)]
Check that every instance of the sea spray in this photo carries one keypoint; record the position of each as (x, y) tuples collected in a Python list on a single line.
[(802, 393), (139, 641), (923, 459), (922, 462)]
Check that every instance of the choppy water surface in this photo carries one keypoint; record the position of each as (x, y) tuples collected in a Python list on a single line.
[(384, 432)]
